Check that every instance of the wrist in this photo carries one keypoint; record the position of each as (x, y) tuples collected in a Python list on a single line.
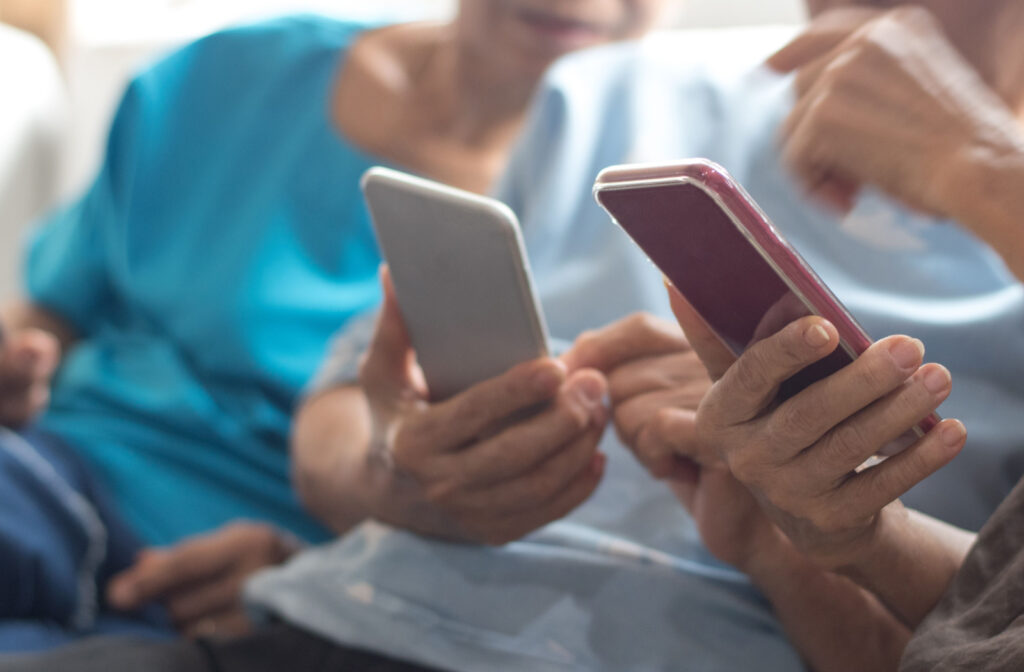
[(982, 188), (886, 540), (772, 556), (781, 570)]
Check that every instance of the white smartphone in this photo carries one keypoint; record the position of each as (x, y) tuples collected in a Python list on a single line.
[(461, 277)]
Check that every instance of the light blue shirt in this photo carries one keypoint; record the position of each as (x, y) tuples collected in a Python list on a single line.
[(623, 583), (222, 244)]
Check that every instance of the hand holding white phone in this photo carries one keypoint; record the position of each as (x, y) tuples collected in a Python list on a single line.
[(461, 277)]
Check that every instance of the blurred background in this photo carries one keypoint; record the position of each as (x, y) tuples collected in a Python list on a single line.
[(63, 64)]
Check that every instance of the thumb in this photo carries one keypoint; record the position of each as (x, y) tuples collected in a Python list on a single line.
[(712, 352), (390, 363)]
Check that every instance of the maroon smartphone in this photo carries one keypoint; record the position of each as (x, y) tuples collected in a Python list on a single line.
[(709, 238)]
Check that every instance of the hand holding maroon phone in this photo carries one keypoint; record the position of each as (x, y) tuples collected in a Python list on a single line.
[(720, 251)]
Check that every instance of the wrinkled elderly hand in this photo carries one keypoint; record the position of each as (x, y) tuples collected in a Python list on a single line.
[(800, 458), (885, 99), (490, 464), (656, 382), (200, 580), (28, 360)]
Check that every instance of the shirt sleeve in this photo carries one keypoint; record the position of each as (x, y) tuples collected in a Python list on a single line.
[(67, 264), (341, 367)]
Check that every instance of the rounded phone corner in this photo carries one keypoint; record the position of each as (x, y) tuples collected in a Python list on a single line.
[(373, 174)]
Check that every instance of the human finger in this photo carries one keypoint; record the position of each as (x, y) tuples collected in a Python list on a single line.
[(467, 416), (868, 492), (805, 418), (514, 527), (634, 415), (539, 486), (667, 446), (638, 378), (822, 36), (163, 572), (864, 435), (221, 593), (638, 336), (713, 353), (752, 383), (519, 448), (386, 369)]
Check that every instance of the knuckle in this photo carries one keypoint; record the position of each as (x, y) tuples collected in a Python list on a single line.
[(832, 519), (874, 48), (878, 374), (744, 467), (588, 345), (643, 322), (914, 15), (846, 440), (665, 425), (443, 494), (787, 501), (830, 109), (789, 422), (790, 348), (903, 475), (750, 374)]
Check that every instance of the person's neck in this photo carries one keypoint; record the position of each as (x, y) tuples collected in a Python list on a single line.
[(478, 99)]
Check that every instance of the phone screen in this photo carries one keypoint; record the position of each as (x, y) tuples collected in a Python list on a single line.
[(716, 267)]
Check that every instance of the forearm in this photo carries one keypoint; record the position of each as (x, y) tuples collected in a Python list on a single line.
[(910, 562), (836, 625), (20, 315), (329, 451)]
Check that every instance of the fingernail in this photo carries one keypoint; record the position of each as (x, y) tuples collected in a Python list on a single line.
[(937, 380), (816, 336), (590, 391), (907, 353), (953, 433), (547, 380)]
